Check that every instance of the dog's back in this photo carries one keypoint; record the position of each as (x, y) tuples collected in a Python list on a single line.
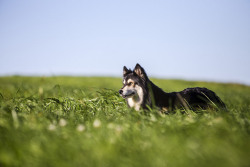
[(195, 98)]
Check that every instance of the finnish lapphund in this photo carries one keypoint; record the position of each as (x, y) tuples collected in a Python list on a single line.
[(141, 93)]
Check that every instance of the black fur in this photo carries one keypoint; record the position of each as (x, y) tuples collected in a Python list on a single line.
[(190, 98)]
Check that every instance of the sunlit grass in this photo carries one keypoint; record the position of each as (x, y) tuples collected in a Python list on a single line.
[(82, 121)]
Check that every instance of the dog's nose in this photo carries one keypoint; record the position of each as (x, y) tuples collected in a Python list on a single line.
[(120, 91)]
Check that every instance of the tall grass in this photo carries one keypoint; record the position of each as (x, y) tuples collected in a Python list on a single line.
[(82, 121)]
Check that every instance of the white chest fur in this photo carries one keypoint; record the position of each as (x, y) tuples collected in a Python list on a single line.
[(134, 103)]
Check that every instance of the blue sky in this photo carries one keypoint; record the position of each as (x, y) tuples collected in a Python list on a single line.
[(196, 40)]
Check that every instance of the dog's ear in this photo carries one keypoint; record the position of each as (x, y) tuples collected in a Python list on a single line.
[(140, 71), (125, 71)]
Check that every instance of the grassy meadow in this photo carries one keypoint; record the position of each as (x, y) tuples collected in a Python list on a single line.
[(82, 121)]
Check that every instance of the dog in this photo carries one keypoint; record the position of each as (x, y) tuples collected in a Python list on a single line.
[(141, 93)]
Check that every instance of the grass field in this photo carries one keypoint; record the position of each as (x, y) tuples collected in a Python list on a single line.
[(82, 121)]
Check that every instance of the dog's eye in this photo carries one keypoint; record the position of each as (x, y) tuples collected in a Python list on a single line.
[(130, 83)]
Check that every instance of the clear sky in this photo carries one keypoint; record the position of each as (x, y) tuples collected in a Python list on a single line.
[(201, 40)]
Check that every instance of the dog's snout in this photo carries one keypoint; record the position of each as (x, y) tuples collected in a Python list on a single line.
[(120, 91)]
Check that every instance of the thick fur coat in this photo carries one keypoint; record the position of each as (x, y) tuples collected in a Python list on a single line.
[(141, 93)]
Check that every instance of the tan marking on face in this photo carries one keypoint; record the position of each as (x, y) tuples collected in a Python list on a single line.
[(130, 82)]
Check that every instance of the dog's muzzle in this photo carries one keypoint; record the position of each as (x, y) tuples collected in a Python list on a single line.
[(125, 95)]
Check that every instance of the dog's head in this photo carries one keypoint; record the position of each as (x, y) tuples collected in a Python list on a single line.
[(133, 82)]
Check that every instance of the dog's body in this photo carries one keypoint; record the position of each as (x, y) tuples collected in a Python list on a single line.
[(141, 93)]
